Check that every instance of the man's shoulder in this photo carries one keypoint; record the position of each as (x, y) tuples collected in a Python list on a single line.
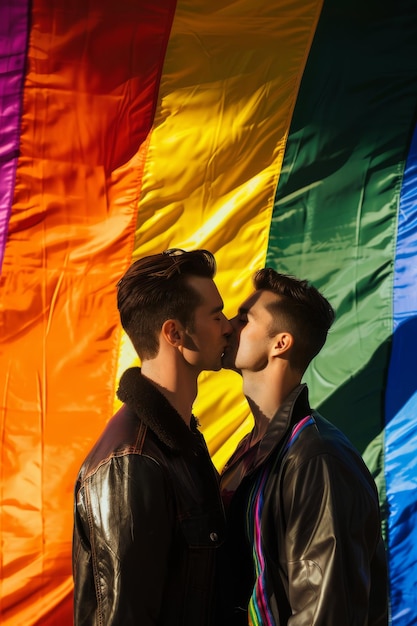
[(323, 437), (124, 435), (325, 443), (331, 436)]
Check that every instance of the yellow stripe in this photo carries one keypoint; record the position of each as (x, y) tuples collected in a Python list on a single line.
[(228, 89)]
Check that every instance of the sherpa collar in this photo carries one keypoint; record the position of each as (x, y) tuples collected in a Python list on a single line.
[(154, 410)]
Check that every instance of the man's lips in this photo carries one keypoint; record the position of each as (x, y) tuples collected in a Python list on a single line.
[(227, 352), (225, 347)]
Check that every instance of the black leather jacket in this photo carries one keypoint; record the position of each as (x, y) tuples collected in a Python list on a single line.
[(320, 557), (147, 520)]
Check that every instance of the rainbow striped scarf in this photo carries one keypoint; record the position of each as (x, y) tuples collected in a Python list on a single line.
[(260, 613)]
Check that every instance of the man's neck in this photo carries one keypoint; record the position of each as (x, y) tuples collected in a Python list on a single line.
[(177, 384), (265, 392)]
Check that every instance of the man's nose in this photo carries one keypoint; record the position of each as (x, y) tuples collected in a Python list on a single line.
[(234, 323), (228, 326)]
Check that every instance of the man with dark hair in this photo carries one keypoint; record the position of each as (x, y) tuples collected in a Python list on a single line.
[(304, 542), (148, 517)]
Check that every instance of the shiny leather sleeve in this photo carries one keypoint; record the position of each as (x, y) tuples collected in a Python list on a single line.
[(124, 514), (331, 542)]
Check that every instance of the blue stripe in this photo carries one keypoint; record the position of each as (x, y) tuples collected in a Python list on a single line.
[(401, 409), (295, 436)]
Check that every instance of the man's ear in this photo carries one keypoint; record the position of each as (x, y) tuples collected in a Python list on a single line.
[(283, 342), (172, 331)]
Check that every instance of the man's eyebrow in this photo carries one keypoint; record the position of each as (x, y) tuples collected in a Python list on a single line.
[(243, 310), (217, 309)]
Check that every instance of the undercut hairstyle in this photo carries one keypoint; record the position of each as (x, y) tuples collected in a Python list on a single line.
[(155, 289), (301, 310)]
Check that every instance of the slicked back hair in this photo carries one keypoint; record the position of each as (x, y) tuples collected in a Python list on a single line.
[(155, 289), (299, 309)]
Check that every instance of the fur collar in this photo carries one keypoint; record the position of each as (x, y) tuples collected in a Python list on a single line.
[(154, 410)]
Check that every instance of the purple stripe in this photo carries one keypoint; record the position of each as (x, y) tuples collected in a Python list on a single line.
[(14, 16)]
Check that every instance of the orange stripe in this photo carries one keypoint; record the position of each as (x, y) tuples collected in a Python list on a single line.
[(93, 77)]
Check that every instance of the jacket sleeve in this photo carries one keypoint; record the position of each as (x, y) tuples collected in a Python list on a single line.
[(125, 511), (331, 532)]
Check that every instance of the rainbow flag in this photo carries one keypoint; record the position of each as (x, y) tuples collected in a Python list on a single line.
[(278, 133)]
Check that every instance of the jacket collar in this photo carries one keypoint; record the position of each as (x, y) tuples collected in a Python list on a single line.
[(295, 407), (154, 410)]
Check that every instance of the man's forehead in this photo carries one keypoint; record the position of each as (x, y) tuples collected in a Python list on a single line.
[(208, 290)]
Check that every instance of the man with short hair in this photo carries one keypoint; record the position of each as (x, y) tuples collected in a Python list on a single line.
[(304, 544), (148, 517)]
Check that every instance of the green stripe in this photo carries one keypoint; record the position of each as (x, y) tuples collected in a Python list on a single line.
[(335, 211), (254, 619)]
